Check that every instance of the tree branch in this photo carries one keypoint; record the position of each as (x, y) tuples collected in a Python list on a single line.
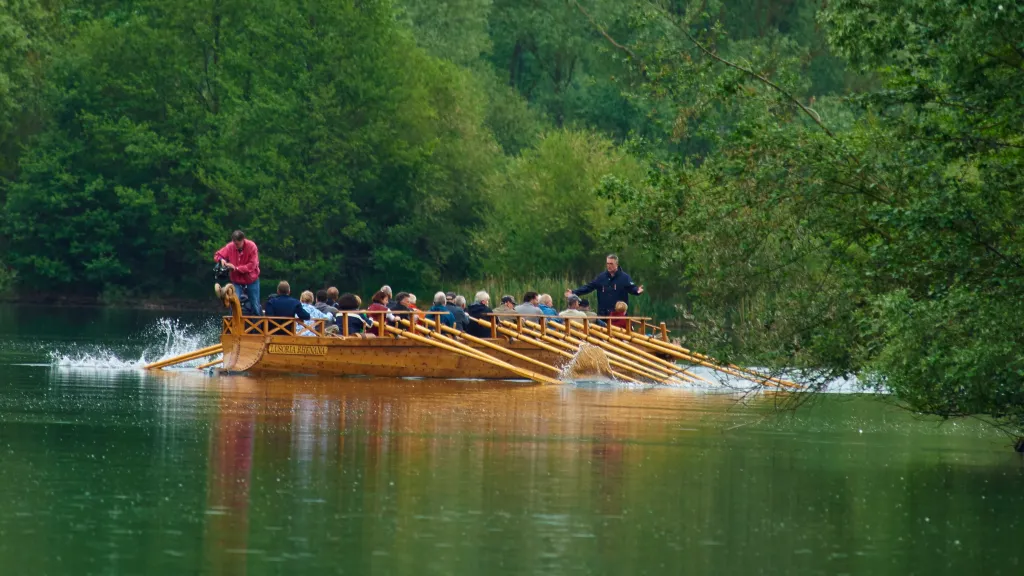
[(632, 55), (810, 113)]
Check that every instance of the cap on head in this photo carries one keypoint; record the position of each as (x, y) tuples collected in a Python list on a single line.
[(574, 299), (508, 300)]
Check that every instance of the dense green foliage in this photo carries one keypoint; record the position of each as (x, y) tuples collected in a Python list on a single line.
[(877, 234), (410, 141), (826, 186)]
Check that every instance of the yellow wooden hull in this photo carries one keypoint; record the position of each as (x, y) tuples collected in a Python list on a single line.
[(388, 357)]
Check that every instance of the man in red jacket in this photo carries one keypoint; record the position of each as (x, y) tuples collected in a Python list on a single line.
[(243, 259)]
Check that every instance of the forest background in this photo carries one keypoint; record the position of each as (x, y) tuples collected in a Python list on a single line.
[(827, 186)]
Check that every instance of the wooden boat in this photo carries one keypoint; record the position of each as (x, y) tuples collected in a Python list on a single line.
[(412, 344), (265, 344)]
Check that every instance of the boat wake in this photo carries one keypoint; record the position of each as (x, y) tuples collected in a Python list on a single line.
[(165, 338)]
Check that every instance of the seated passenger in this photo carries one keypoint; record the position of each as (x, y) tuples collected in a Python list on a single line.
[(282, 305), (359, 306), (530, 307), (620, 310), (507, 306), (585, 307), (547, 305), (440, 301), (332, 297), (379, 303), (457, 306), (480, 310), (308, 328), (322, 305), (401, 302), (573, 311), (412, 306), (357, 325)]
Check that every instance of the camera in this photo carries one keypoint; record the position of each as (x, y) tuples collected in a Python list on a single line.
[(220, 271)]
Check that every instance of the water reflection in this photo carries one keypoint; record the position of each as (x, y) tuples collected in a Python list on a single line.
[(181, 472)]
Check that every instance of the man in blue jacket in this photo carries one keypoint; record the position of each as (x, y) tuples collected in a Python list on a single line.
[(613, 285), (283, 305)]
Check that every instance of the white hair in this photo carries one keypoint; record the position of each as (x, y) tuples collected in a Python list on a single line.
[(387, 290), (545, 299), (460, 301), (412, 298), (440, 299), (481, 296)]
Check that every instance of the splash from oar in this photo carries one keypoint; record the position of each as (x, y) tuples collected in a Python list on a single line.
[(589, 362)]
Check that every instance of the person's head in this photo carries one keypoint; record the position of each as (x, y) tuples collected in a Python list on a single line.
[(238, 238), (321, 295), (482, 297), (460, 301), (387, 290), (359, 301), (449, 297), (380, 297), (332, 293), (546, 300), (531, 297), (584, 304), (574, 302), (440, 299), (284, 288), (412, 299), (306, 297), (611, 263), (402, 298), (508, 301), (348, 302), (621, 306)]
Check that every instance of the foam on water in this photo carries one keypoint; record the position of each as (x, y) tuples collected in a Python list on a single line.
[(165, 338)]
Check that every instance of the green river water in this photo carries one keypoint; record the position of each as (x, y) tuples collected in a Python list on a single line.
[(105, 469)]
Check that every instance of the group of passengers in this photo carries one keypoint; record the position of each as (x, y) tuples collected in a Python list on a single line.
[(241, 258), (448, 307)]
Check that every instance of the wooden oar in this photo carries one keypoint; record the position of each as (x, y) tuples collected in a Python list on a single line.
[(663, 373), (486, 344), (697, 358), (208, 364), (462, 349), (573, 344), (545, 346), (574, 328), (202, 352)]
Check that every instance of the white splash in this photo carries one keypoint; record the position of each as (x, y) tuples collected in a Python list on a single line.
[(165, 338)]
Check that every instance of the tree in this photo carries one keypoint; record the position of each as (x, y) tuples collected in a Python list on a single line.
[(874, 235), (318, 127), (547, 218)]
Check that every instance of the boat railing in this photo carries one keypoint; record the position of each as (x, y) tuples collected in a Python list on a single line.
[(283, 326), (633, 324)]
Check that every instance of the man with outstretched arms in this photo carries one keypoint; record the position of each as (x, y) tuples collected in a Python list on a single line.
[(242, 258), (613, 285)]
